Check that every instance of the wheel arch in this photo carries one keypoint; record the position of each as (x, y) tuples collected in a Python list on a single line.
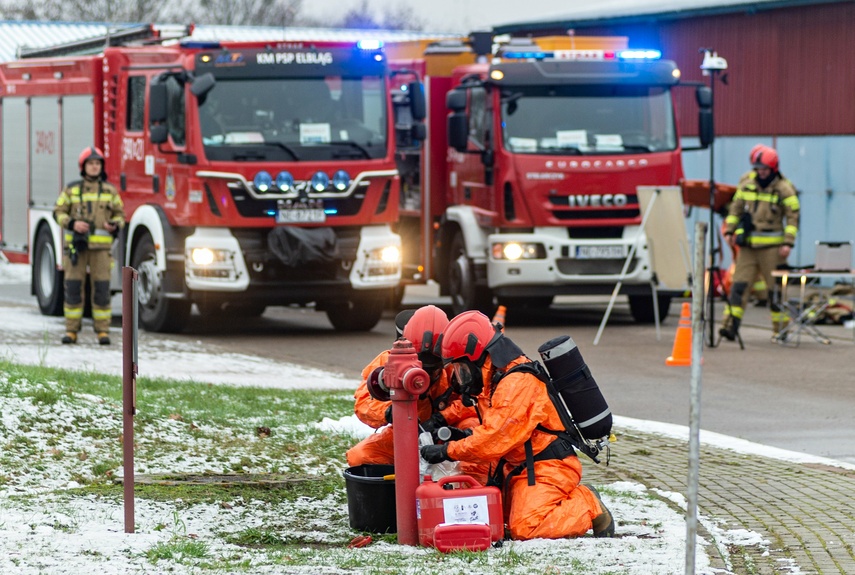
[(459, 219), (151, 220)]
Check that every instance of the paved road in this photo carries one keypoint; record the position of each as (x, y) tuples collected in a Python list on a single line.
[(801, 398)]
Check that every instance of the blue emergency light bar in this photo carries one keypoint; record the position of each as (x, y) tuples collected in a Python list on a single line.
[(369, 44), (591, 55)]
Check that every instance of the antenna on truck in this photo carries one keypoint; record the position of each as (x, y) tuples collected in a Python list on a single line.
[(133, 35)]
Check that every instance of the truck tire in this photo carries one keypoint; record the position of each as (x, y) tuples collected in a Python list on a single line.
[(465, 294), (47, 279), (641, 307), (157, 313), (359, 314)]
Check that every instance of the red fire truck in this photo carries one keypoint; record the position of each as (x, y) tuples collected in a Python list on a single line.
[(253, 173), (527, 183)]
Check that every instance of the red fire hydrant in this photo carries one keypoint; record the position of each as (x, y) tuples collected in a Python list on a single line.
[(406, 380)]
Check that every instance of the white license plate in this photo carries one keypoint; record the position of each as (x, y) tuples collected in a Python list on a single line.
[(599, 252), (301, 216)]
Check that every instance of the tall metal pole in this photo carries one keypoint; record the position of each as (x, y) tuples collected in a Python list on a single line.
[(713, 271), (129, 373)]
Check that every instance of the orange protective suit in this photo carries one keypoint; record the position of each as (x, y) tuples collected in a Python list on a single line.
[(378, 448), (556, 505)]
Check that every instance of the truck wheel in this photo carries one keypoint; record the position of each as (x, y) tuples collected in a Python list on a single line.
[(360, 314), (641, 307), (47, 279), (157, 313), (465, 294)]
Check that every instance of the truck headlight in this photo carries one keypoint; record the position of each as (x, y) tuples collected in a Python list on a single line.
[(390, 254), (518, 251), (207, 256)]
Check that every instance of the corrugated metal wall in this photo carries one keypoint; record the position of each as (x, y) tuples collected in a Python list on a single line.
[(790, 70), (791, 84)]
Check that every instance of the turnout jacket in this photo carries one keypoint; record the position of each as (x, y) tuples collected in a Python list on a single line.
[(774, 211), (95, 202)]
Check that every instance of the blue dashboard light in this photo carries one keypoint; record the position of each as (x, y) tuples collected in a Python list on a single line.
[(320, 181), (284, 181), (341, 180), (262, 181)]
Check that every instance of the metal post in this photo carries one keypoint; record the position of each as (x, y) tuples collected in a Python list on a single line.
[(713, 271), (695, 400), (129, 373)]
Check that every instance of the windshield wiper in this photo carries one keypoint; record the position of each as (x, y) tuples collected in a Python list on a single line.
[(353, 145), (285, 147)]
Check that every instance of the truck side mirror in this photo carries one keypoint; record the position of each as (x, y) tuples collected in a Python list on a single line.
[(157, 109), (458, 131), (703, 95), (706, 129), (202, 85), (418, 132), (418, 107), (456, 100), (158, 134)]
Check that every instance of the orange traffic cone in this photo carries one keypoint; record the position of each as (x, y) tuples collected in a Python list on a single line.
[(681, 354), (499, 317)]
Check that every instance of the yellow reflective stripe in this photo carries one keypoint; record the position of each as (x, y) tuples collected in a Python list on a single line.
[(90, 197), (766, 240), (791, 230), (73, 312), (63, 199), (792, 202), (777, 316), (101, 313), (745, 195), (117, 201), (93, 239), (68, 236), (736, 312), (731, 220)]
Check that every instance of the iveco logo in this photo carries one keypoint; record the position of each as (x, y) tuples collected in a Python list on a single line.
[(597, 200)]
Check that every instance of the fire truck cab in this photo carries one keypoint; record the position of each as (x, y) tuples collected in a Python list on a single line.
[(253, 173), (529, 174)]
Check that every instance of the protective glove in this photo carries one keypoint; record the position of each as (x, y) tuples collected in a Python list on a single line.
[(434, 422), (449, 434), (388, 415), (435, 453)]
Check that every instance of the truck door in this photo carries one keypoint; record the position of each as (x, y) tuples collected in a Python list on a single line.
[(171, 164), (136, 164)]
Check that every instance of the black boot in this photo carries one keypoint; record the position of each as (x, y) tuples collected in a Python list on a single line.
[(730, 329)]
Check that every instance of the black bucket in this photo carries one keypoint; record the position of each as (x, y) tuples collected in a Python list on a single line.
[(370, 498)]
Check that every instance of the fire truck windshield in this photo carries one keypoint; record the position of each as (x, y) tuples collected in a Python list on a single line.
[(576, 120), (294, 119)]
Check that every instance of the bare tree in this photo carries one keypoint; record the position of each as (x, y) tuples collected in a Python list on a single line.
[(398, 17), (84, 10), (248, 12)]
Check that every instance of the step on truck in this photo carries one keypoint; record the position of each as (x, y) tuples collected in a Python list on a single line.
[(526, 186), (253, 173)]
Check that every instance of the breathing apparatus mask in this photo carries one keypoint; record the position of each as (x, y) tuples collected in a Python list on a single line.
[(467, 380)]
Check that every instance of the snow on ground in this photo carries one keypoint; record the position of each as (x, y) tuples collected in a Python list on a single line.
[(50, 533)]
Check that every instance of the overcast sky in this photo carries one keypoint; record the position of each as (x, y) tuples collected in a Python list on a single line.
[(459, 16)]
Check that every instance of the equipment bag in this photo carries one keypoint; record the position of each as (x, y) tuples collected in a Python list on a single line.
[(743, 230)]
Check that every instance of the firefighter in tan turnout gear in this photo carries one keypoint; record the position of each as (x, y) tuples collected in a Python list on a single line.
[(763, 221), (90, 213)]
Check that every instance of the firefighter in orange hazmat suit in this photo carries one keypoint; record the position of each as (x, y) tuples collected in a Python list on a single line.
[(438, 407), (542, 491)]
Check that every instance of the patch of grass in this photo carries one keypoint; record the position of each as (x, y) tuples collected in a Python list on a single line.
[(178, 550)]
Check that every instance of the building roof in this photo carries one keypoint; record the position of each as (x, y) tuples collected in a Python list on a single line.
[(29, 34), (611, 12)]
